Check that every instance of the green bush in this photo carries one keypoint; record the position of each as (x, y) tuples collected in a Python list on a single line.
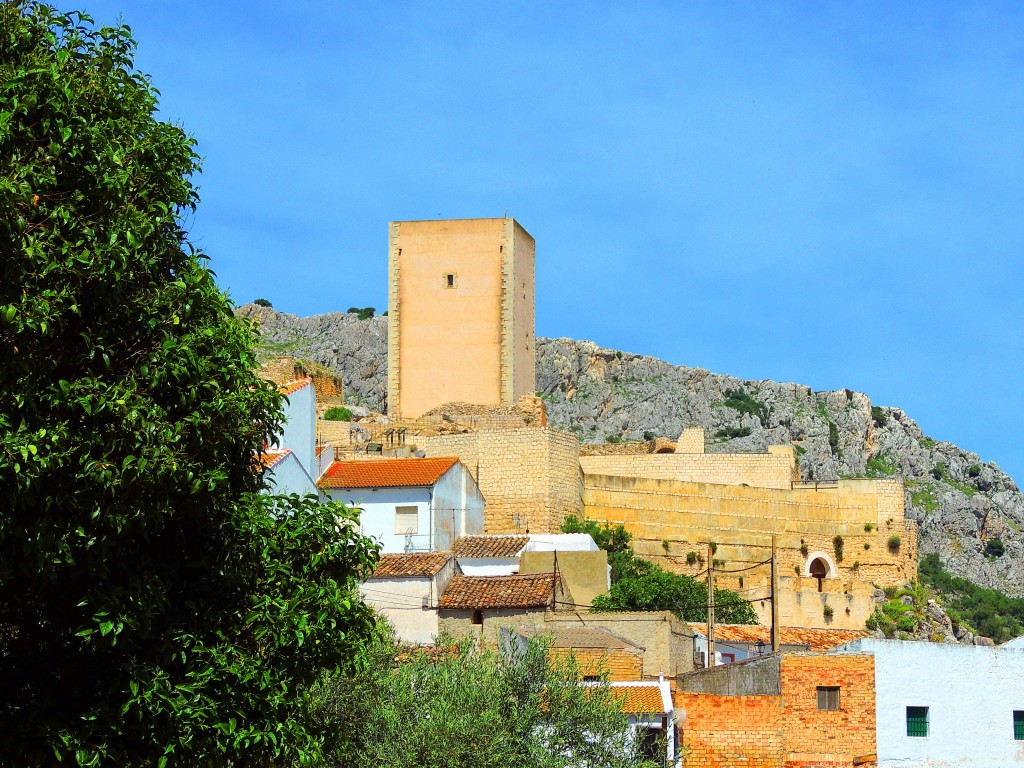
[(363, 313), (691, 558), (731, 432), (833, 437), (828, 612), (338, 413), (881, 466), (837, 546), (893, 542), (648, 435), (991, 612), (878, 416), (938, 471), (974, 470), (613, 439), (995, 548), (804, 550), (742, 401), (262, 303)]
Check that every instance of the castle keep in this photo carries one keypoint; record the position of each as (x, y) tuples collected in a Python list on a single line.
[(460, 314)]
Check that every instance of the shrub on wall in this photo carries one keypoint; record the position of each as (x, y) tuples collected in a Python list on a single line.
[(893, 543), (837, 545), (338, 413)]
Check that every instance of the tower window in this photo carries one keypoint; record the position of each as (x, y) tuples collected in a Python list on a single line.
[(450, 280)]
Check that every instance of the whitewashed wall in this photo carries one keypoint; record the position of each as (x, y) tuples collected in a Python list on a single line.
[(299, 431), (970, 691), (458, 507), (378, 518), (289, 476)]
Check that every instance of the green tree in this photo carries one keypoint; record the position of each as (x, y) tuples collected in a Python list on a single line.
[(471, 708), (155, 606)]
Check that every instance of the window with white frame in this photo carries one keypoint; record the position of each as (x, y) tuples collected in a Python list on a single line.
[(407, 520)]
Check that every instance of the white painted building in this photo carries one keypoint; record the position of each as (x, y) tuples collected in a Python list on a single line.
[(499, 554), (298, 432), (406, 588), (285, 473), (941, 704), (409, 505)]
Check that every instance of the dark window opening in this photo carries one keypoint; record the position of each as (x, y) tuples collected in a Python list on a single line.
[(917, 721), (478, 617), (449, 280), (1018, 725), (828, 697)]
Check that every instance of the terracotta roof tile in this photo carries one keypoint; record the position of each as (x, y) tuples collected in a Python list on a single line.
[(508, 545), (534, 590), (385, 473), (271, 458), (291, 387), (411, 564), (640, 699), (815, 639)]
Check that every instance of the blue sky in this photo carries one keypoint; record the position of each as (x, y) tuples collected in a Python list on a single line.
[(828, 193)]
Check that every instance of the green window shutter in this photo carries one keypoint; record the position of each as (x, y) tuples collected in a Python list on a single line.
[(1018, 724), (917, 721)]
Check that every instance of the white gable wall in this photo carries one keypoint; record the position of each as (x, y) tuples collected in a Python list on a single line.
[(299, 430)]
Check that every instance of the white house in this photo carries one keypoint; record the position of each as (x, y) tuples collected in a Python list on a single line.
[(499, 554), (406, 589), (409, 505), (298, 432), (939, 704), (285, 473)]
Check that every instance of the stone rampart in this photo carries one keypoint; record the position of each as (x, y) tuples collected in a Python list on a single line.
[(776, 469), (530, 477)]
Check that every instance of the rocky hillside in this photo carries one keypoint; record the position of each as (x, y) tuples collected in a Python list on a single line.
[(964, 506)]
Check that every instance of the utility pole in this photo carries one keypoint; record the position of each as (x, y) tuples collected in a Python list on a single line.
[(711, 606), (775, 599)]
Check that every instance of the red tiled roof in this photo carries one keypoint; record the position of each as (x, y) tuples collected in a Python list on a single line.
[(410, 564), (640, 699), (385, 473), (534, 590), (508, 545), (815, 639), (272, 458), (291, 387)]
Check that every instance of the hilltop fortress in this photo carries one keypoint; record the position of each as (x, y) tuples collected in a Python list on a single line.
[(460, 383)]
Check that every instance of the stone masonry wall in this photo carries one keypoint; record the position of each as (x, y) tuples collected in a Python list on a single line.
[(530, 477), (760, 470)]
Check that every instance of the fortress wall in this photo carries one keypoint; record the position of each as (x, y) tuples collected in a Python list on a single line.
[(671, 519), (760, 470), (528, 476)]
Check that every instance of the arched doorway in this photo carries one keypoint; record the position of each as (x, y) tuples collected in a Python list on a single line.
[(819, 570), (820, 566)]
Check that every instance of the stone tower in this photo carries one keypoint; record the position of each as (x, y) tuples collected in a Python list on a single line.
[(460, 313)]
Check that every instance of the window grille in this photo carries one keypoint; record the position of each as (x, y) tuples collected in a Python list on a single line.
[(917, 721), (828, 697), (1018, 724)]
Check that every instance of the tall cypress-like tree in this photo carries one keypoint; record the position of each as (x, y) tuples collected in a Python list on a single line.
[(155, 606)]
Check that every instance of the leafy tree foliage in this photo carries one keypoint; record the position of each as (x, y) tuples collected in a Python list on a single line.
[(988, 612), (471, 708), (155, 606), (640, 585)]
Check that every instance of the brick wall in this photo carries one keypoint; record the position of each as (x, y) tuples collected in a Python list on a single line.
[(786, 731), (617, 663), (730, 731), (815, 737), (529, 475)]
